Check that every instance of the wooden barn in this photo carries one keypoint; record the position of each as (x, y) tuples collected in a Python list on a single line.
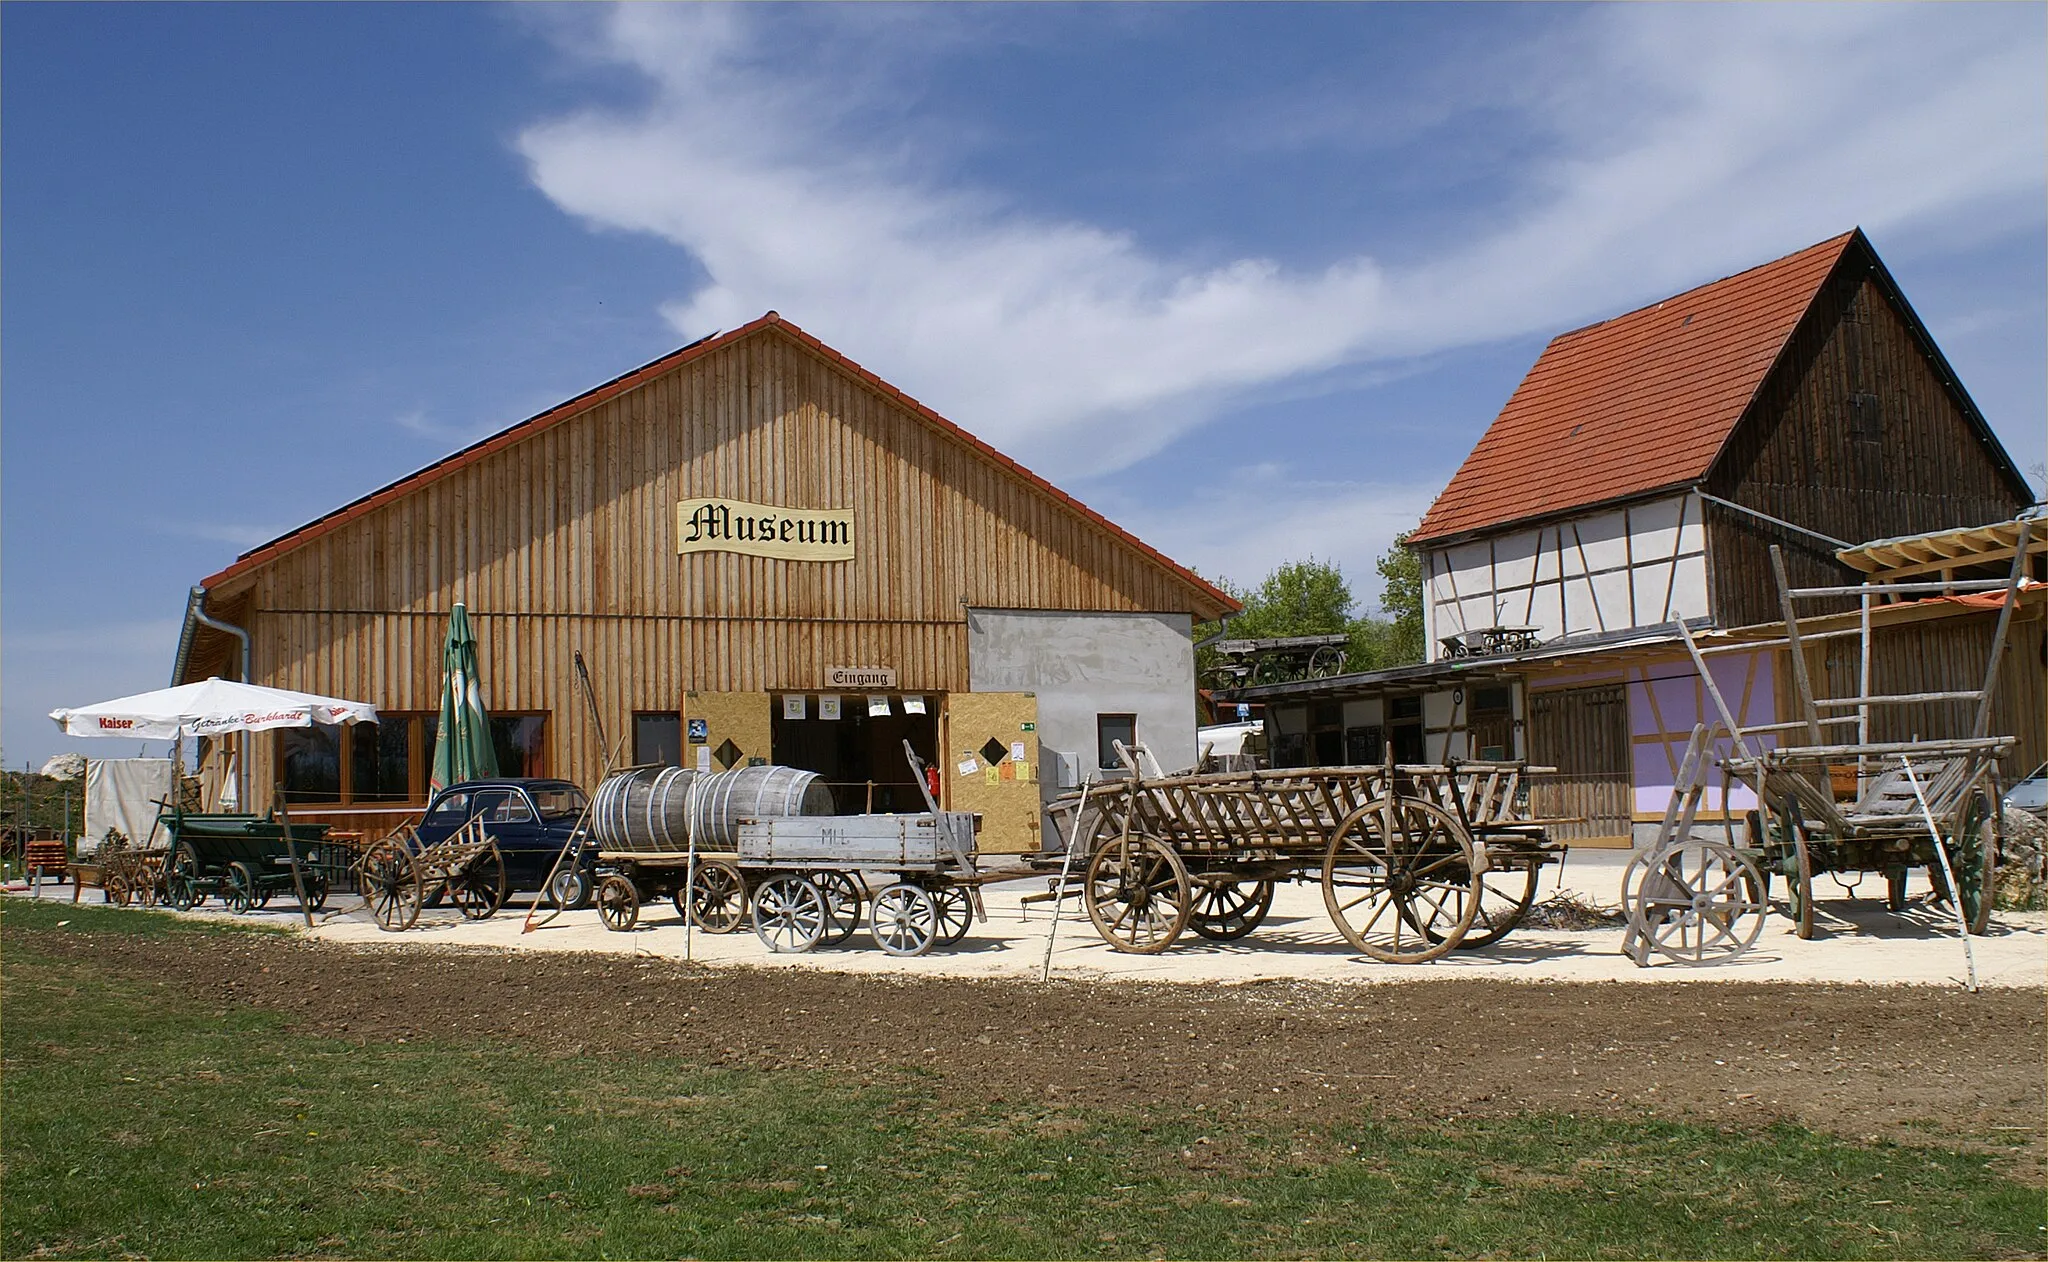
[(765, 553), (1636, 479)]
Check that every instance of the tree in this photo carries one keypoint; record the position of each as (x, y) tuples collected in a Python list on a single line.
[(1401, 602)]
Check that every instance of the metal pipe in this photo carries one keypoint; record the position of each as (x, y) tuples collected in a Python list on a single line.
[(195, 611)]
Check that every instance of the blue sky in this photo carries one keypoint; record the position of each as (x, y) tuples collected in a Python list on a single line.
[(1249, 279)]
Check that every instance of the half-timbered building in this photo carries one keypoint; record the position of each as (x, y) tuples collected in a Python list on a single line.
[(1638, 478)]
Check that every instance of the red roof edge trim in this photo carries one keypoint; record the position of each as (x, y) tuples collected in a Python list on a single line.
[(646, 372), (478, 450)]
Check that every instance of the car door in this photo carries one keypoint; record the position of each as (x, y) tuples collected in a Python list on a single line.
[(510, 820)]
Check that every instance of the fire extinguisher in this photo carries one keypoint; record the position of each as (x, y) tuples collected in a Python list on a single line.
[(931, 779)]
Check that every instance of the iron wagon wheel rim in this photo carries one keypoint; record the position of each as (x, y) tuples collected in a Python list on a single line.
[(241, 887), (1501, 904), (789, 914), (1976, 859), (717, 900), (1706, 911), (1227, 911), (478, 891), (844, 899), (1411, 863), (618, 903), (391, 885), (905, 920), (1138, 894), (955, 909)]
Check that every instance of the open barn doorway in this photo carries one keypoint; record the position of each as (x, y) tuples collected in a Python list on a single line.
[(856, 745)]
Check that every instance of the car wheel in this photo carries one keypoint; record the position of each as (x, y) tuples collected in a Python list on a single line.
[(570, 890)]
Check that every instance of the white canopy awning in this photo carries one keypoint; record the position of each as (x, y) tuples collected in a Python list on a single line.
[(209, 709)]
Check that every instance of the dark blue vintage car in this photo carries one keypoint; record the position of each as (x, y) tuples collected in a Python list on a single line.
[(532, 822)]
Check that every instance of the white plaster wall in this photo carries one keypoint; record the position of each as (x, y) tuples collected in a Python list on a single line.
[(1085, 664)]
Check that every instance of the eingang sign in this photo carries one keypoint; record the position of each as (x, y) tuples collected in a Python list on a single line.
[(764, 530)]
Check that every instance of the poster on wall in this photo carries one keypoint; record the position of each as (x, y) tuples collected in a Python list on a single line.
[(913, 705), (793, 707), (878, 706), (828, 707)]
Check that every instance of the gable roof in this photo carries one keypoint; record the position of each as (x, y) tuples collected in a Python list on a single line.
[(1635, 404), (561, 412)]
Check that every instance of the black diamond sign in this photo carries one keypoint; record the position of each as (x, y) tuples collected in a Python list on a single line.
[(727, 754), (994, 752)]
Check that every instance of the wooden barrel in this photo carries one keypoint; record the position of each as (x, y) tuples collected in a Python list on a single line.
[(645, 809), (721, 800)]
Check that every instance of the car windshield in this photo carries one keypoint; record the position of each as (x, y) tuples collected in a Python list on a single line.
[(557, 800)]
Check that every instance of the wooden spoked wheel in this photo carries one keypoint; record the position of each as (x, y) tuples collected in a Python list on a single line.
[(1505, 896), (1398, 880), (181, 880), (1138, 894), (1974, 856), (1224, 911), (844, 898), (954, 906), (905, 920), (717, 900), (315, 884), (391, 885), (789, 913), (618, 903), (1694, 902), (1798, 869), (478, 891), (115, 890), (241, 889)]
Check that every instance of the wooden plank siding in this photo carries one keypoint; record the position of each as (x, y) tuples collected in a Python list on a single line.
[(565, 540), (1800, 454)]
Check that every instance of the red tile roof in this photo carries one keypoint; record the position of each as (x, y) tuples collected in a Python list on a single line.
[(647, 372), (1634, 404)]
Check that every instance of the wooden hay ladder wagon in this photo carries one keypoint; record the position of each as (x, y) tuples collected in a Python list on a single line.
[(1409, 858), (398, 875), (1931, 803)]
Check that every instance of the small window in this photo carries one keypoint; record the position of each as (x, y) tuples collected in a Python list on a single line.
[(1404, 707), (1491, 701), (657, 738), (558, 800), (1109, 729), (516, 738), (1365, 746), (1866, 418), (312, 763)]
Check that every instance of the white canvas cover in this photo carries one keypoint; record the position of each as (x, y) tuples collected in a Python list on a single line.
[(123, 793), (209, 709), (1226, 740)]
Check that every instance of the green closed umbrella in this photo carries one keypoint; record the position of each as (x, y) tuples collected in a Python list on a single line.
[(462, 745)]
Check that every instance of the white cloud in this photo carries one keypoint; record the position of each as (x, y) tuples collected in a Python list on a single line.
[(1267, 517), (1690, 142)]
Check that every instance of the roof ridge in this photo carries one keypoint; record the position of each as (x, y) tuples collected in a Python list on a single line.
[(578, 404)]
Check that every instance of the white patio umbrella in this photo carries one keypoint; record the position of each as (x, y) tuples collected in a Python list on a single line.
[(211, 708)]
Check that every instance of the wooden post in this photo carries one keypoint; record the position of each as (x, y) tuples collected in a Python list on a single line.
[(1799, 675), (291, 849), (2012, 598)]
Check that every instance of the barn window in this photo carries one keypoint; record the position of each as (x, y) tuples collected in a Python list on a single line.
[(1109, 729), (657, 738), (516, 738), (386, 761), (1866, 418)]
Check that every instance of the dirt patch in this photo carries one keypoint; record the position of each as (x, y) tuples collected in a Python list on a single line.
[(1869, 1062)]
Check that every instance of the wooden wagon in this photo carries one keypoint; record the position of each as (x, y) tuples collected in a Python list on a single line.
[(244, 860), (1848, 808), (1411, 859), (399, 875)]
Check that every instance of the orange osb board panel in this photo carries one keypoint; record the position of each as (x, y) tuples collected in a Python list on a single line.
[(1634, 404)]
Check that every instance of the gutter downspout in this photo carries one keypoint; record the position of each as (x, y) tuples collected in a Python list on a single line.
[(195, 612)]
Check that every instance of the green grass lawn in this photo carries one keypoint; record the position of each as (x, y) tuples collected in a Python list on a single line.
[(134, 1123)]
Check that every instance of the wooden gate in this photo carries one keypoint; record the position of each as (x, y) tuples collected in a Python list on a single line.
[(1584, 733)]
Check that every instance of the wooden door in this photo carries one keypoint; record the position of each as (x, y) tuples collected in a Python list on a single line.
[(735, 729), (980, 743), (1583, 732)]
